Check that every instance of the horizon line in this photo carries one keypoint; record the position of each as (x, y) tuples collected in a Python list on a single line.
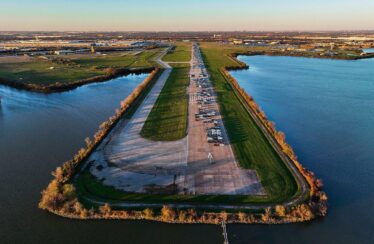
[(199, 31)]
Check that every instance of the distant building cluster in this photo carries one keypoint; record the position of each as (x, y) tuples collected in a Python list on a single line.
[(38, 47), (323, 44)]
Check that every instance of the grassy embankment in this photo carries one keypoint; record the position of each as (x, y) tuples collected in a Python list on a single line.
[(251, 148), (70, 68), (168, 118)]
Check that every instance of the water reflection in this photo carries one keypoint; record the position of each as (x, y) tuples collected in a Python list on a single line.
[(325, 107)]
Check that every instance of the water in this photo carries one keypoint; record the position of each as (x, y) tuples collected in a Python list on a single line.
[(326, 109), (37, 133), (368, 50)]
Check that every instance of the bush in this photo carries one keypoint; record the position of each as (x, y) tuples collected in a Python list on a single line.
[(148, 213), (68, 191), (167, 214), (242, 217), (105, 209), (280, 210)]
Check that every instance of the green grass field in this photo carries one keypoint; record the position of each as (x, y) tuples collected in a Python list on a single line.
[(251, 148), (121, 60), (69, 68), (182, 53), (168, 118)]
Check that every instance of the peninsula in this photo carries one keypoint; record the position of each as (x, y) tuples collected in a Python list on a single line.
[(187, 146)]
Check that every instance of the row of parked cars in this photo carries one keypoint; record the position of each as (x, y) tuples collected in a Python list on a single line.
[(205, 100)]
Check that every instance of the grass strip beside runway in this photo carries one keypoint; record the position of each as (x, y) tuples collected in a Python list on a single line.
[(251, 147), (168, 118)]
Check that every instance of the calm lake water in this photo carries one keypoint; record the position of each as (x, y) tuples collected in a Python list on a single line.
[(37, 133), (326, 109), (368, 50)]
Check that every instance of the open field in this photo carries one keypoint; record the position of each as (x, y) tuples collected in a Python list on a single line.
[(252, 149), (70, 68), (168, 118), (121, 60), (181, 53)]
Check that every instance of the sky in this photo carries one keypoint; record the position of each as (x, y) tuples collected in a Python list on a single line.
[(186, 15)]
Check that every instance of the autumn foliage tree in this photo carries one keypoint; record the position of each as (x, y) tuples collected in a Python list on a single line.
[(167, 214), (105, 209), (148, 213)]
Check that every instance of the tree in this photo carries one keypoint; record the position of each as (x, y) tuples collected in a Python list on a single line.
[(192, 214), (224, 216), (182, 215), (78, 207), (266, 216), (58, 174), (305, 212), (167, 214), (105, 209), (280, 210), (88, 142), (148, 213), (51, 197), (68, 191), (319, 183), (242, 216), (84, 213)]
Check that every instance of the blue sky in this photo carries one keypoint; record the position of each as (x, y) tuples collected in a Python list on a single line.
[(187, 15)]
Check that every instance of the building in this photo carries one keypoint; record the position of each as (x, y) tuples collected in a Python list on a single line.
[(237, 42), (63, 52)]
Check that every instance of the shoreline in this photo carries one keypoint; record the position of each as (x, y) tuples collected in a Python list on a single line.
[(205, 218), (301, 55), (62, 87), (59, 87), (275, 137)]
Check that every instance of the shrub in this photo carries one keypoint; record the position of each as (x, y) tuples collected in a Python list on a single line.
[(280, 210), (105, 209), (167, 214), (51, 196), (68, 191), (182, 215), (265, 217), (224, 215), (148, 213), (242, 216)]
